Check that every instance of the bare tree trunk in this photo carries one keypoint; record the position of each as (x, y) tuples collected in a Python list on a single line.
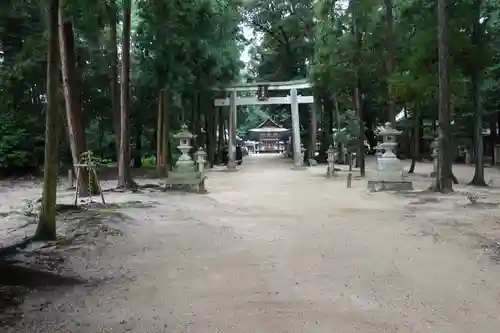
[(46, 229), (493, 137), (416, 139), (390, 58), (138, 145), (215, 142), (475, 79), (166, 131), (340, 147), (220, 142), (73, 107), (197, 142), (211, 121), (160, 172), (115, 88), (125, 180), (360, 158), (313, 130), (444, 178)]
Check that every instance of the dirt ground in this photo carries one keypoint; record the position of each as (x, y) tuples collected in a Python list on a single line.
[(275, 250)]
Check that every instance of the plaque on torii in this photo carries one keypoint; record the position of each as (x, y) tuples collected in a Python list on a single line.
[(263, 92)]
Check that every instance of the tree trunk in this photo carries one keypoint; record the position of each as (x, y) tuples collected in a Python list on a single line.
[(416, 139), (138, 146), (444, 177), (72, 100), (475, 79), (160, 170), (313, 131), (220, 142), (46, 229), (211, 134), (340, 148), (115, 88), (493, 138), (198, 140), (360, 158), (125, 180), (166, 132), (326, 127), (390, 58), (215, 129)]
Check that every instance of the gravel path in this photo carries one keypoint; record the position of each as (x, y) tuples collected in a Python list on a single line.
[(271, 250)]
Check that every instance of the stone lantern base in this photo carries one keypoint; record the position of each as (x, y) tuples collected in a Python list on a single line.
[(389, 176)]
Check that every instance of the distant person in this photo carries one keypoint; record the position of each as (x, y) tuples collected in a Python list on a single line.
[(238, 153)]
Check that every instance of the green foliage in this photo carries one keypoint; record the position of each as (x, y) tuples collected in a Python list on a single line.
[(186, 46), (190, 46)]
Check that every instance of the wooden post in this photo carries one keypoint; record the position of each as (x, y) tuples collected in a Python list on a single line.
[(232, 132), (297, 163)]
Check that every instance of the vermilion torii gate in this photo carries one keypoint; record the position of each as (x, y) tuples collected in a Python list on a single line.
[(261, 97)]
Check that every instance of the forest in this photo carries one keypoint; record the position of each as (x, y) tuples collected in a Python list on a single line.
[(79, 76)]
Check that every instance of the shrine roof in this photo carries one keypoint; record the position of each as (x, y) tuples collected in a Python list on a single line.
[(269, 125)]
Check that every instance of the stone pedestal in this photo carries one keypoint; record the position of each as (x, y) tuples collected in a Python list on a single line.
[(390, 176), (186, 174)]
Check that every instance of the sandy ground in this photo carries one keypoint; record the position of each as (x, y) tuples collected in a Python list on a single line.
[(271, 250)]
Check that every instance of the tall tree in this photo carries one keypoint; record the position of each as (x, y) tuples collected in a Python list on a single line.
[(115, 88), (444, 176), (76, 128), (46, 229), (125, 180), (476, 69), (390, 57), (356, 19)]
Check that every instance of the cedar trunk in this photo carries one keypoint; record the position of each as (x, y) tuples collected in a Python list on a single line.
[(125, 180), (444, 177), (313, 130), (389, 20), (360, 158), (72, 101), (160, 170), (165, 132), (475, 79), (416, 139), (221, 136), (115, 88), (46, 229)]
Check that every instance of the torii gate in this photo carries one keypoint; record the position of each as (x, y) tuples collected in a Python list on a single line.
[(261, 97)]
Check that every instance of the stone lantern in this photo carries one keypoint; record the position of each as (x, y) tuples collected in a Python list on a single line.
[(187, 174), (185, 162), (330, 170), (389, 169)]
